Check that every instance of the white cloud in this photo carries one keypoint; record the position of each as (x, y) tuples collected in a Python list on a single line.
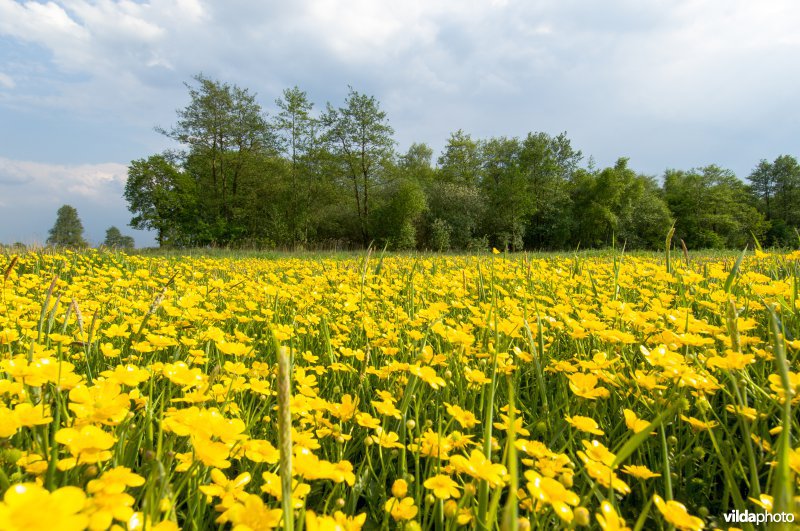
[(490, 66), (6, 81), (27, 182)]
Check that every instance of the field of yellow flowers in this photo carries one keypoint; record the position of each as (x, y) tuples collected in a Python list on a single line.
[(426, 392)]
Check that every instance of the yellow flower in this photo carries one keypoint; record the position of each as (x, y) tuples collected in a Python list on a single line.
[(467, 419), (9, 423), (609, 520), (89, 445), (604, 475), (387, 439), (428, 375), (634, 423), (640, 472), (103, 403), (518, 429), (676, 514), (794, 460), (597, 451), (129, 375), (401, 509), (699, 425), (386, 408), (479, 467), (586, 424), (115, 480), (115, 330), (227, 490), (29, 507), (399, 488), (547, 491), (585, 386), (252, 514), (260, 451), (443, 487), (211, 453)]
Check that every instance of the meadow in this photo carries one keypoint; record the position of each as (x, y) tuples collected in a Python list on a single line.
[(496, 391)]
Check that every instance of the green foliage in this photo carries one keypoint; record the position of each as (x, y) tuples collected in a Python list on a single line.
[(776, 187), (461, 206), (439, 237), (712, 208), (396, 219), (162, 198), (116, 240), (67, 230), (360, 137)]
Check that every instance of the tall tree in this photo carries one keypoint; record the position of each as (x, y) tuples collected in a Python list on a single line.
[(68, 229), (777, 186), (360, 136), (549, 164), (296, 128), (508, 196), (762, 184), (223, 127), (417, 164)]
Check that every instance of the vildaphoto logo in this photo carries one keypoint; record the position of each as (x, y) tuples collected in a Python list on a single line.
[(742, 517)]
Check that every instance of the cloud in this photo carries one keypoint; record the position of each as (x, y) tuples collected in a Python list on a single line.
[(33, 191), (668, 83), (6, 81), (54, 182)]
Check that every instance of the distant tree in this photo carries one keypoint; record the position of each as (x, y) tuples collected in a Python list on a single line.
[(399, 212), (360, 137), (461, 160), (712, 208), (67, 230), (116, 240), (776, 185), (456, 203), (454, 210)]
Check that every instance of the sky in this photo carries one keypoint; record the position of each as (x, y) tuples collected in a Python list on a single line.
[(667, 83)]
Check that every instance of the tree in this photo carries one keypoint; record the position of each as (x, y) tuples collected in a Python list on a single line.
[(417, 164), (461, 161), (360, 137), (296, 129), (777, 187), (162, 199), (549, 164), (116, 240), (508, 197), (67, 230), (223, 128), (712, 208)]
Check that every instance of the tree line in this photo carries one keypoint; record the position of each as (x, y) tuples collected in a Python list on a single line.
[(305, 178)]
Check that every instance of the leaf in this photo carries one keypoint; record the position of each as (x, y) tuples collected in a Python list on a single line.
[(734, 271)]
